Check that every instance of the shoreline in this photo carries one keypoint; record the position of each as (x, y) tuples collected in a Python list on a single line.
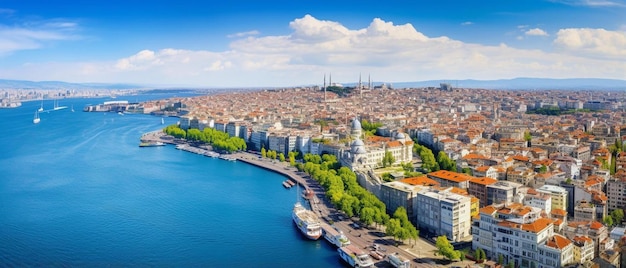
[(420, 252)]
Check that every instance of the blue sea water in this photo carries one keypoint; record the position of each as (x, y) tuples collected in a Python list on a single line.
[(76, 190)]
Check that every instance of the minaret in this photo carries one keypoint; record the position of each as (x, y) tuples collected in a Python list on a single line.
[(324, 87), (360, 85), (369, 82)]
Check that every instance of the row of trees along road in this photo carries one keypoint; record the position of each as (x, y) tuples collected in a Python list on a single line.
[(220, 141), (345, 193)]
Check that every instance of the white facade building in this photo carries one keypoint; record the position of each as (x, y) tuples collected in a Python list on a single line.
[(441, 212)]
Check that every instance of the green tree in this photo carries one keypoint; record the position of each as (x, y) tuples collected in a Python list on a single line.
[(543, 169), (467, 170), (370, 128), (322, 124), (480, 254), (528, 138), (608, 220), (281, 157), (407, 167), (388, 159), (445, 249), (263, 152), (445, 163), (428, 160), (367, 215), (387, 177), (615, 149), (618, 215), (511, 264), (292, 158), (500, 259), (393, 228)]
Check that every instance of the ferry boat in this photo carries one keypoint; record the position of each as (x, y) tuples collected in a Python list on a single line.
[(335, 236), (307, 222), (355, 257), (151, 144)]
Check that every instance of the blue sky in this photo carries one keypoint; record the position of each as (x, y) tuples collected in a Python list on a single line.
[(286, 43)]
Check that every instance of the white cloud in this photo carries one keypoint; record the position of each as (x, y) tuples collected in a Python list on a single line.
[(466, 23), (243, 34), (387, 51), (34, 35), (536, 32), (592, 42)]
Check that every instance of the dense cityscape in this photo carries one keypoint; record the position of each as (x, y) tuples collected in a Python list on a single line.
[(475, 134), (532, 190)]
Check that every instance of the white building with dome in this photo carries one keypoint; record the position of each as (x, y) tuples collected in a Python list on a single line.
[(362, 156)]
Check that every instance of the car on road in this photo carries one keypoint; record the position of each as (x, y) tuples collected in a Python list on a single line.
[(355, 225)]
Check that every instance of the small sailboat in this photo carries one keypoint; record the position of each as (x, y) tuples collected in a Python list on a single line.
[(162, 121), (36, 120), (72, 108), (41, 107)]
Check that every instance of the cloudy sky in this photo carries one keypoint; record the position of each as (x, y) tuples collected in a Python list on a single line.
[(249, 43)]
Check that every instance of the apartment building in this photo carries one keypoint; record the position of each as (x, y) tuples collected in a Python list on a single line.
[(518, 234), (583, 249), (478, 188), (502, 192), (584, 211), (595, 230), (486, 171), (397, 194), (559, 196), (441, 212), (616, 194), (539, 200)]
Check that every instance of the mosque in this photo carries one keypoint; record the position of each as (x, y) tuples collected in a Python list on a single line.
[(364, 157)]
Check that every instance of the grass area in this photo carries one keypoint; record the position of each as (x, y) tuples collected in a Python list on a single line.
[(381, 171)]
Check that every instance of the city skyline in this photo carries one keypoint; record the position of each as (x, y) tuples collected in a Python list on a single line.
[(288, 43)]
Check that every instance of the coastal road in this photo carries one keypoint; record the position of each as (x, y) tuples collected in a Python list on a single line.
[(363, 237), (419, 252)]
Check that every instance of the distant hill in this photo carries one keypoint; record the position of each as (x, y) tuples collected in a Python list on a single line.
[(23, 84), (524, 83)]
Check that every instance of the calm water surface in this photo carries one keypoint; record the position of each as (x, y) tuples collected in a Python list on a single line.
[(76, 190)]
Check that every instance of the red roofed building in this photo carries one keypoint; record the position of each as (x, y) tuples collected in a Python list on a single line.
[(583, 249), (557, 251), (478, 188), (593, 229), (521, 235), (448, 178)]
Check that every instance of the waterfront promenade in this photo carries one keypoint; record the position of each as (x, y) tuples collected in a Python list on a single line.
[(420, 252)]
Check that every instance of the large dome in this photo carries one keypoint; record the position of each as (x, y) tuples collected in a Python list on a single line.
[(356, 124), (400, 136), (360, 150), (357, 142), (358, 147)]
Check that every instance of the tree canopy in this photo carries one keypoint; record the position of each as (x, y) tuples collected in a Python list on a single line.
[(445, 249), (429, 163), (219, 140), (345, 193)]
